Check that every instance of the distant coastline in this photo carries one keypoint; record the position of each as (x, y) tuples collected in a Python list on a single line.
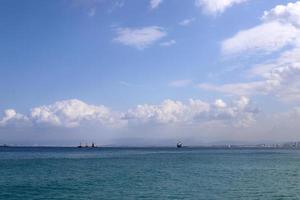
[(285, 145)]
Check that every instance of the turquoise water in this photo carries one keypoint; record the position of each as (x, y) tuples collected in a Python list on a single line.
[(148, 173)]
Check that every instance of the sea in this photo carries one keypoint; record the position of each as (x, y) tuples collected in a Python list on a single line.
[(148, 173)]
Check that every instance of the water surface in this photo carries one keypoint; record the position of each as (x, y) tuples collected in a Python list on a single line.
[(149, 173)]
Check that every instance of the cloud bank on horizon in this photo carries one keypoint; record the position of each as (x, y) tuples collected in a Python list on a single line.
[(170, 117), (73, 113), (257, 99)]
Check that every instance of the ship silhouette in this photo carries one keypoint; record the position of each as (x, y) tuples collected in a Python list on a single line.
[(86, 145), (179, 145)]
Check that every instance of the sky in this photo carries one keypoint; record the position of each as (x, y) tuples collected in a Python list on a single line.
[(149, 72)]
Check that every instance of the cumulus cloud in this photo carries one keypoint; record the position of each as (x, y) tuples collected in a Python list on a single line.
[(73, 113), (283, 73), (155, 3), (140, 38), (74, 120), (216, 6), (238, 113), (279, 28), (11, 117), (169, 111), (219, 103), (289, 13)]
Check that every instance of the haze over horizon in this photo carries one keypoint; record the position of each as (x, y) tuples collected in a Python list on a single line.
[(145, 72)]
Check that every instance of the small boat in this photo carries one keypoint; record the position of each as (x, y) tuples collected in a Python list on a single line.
[(80, 146), (179, 144)]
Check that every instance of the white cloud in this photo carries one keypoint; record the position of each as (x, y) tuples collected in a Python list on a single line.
[(289, 13), (280, 76), (284, 84), (74, 121), (169, 111), (284, 72), (239, 113), (8, 115), (279, 28), (11, 117), (140, 38), (155, 3), (219, 103), (180, 83), (73, 113), (216, 6), (186, 22), (267, 37), (168, 43)]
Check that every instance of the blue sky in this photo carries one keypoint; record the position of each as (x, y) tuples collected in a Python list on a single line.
[(158, 54)]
